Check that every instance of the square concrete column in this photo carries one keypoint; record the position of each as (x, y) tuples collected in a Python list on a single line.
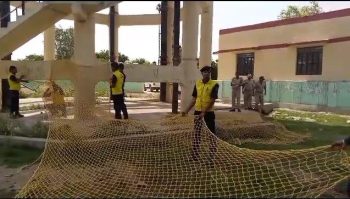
[(170, 47), (206, 34), (116, 32), (84, 80), (49, 43), (189, 51)]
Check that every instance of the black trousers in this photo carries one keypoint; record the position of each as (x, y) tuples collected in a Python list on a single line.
[(14, 101), (119, 105), (209, 119)]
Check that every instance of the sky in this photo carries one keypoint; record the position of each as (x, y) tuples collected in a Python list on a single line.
[(142, 41)]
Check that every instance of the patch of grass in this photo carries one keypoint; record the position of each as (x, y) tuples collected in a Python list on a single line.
[(319, 117), (16, 156), (325, 129), (321, 135)]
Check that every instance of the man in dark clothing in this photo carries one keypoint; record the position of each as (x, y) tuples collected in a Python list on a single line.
[(204, 94)]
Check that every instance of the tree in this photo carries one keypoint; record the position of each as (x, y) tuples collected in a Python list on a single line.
[(122, 58), (64, 42), (104, 56), (159, 7), (34, 57), (140, 61), (294, 11)]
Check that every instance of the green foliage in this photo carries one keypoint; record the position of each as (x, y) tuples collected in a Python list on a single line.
[(324, 128), (33, 57), (23, 94), (102, 89), (64, 42), (319, 117), (39, 130), (16, 128), (140, 61), (294, 11), (103, 55), (122, 58), (158, 8), (4, 130)]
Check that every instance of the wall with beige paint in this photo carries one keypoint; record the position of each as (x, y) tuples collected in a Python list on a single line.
[(280, 63), (307, 31)]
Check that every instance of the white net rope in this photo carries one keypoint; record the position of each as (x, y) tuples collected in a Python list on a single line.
[(98, 156)]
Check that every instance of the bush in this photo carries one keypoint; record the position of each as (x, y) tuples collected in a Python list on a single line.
[(39, 130), (15, 128), (4, 127), (23, 94)]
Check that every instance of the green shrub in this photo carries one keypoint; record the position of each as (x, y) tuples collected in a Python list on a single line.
[(15, 128), (4, 127), (40, 130), (23, 95)]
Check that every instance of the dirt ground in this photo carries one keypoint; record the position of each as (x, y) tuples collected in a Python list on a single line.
[(13, 179)]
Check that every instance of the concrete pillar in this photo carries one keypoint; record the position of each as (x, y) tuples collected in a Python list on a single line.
[(170, 41), (189, 51), (84, 54), (116, 33), (49, 44), (206, 34)]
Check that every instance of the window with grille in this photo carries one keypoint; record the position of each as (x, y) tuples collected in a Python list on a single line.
[(245, 64), (309, 61)]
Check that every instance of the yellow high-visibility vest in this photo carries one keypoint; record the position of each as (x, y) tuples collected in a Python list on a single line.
[(118, 88), (14, 86), (204, 94)]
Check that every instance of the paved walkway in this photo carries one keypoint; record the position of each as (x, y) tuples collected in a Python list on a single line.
[(138, 108)]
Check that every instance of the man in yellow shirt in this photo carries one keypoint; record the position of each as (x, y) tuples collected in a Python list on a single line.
[(204, 94), (117, 88), (15, 86)]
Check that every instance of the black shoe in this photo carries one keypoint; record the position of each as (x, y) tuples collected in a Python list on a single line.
[(239, 110), (232, 110), (18, 115)]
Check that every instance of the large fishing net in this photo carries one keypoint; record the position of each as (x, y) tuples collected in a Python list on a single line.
[(174, 157)]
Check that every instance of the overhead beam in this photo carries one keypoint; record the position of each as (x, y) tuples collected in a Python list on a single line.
[(67, 70), (127, 20)]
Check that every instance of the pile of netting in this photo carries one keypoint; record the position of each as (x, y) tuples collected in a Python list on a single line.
[(239, 128), (172, 158)]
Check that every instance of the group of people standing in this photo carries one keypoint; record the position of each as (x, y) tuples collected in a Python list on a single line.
[(249, 88)]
